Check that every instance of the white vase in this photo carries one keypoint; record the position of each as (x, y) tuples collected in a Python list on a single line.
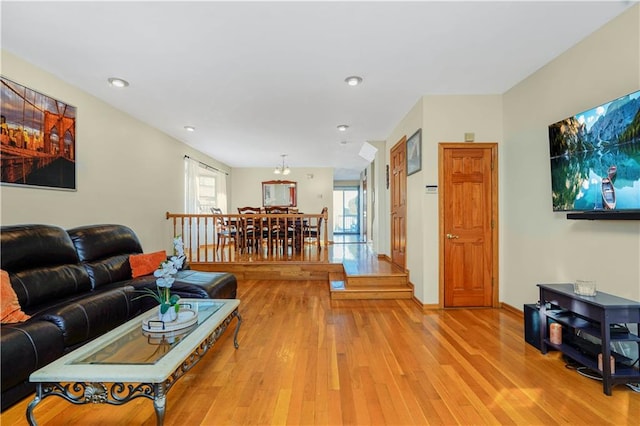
[(170, 315)]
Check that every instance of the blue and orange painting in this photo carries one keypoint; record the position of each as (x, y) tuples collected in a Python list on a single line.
[(595, 158)]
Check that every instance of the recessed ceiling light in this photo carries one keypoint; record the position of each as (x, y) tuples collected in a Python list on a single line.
[(343, 127), (354, 80), (190, 128), (118, 82)]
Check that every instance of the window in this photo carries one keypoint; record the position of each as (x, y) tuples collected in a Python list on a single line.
[(205, 187), (206, 190)]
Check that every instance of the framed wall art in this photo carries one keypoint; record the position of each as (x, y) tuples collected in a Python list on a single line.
[(387, 176), (37, 139), (414, 153)]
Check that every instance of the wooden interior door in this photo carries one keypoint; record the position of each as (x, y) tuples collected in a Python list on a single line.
[(468, 224), (399, 202)]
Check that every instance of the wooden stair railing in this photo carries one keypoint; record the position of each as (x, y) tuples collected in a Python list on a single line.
[(214, 238)]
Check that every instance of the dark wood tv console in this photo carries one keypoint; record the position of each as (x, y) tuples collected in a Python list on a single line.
[(595, 316)]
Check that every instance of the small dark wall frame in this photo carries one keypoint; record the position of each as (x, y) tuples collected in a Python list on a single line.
[(387, 176), (414, 153)]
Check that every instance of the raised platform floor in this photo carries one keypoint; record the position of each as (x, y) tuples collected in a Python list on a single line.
[(351, 269)]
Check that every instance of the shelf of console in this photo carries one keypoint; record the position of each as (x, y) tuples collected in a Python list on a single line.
[(594, 315), (623, 374), (568, 319)]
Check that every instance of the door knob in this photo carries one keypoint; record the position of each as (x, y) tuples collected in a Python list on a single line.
[(451, 236)]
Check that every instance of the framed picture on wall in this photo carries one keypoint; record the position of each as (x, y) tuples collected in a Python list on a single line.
[(37, 139), (414, 153), (387, 167)]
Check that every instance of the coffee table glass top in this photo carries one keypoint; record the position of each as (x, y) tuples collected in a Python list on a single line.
[(125, 354), (136, 346)]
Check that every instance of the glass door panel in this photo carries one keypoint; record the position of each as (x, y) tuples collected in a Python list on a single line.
[(346, 211)]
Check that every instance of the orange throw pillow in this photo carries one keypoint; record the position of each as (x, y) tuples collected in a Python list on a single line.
[(10, 309), (146, 263)]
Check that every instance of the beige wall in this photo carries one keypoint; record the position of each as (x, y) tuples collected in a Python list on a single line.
[(415, 226), (447, 119), (315, 188), (127, 172), (541, 246), (442, 119), (536, 245)]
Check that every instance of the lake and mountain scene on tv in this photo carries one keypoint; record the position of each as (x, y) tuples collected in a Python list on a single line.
[(595, 158)]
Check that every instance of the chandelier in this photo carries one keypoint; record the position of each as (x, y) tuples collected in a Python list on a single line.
[(282, 170)]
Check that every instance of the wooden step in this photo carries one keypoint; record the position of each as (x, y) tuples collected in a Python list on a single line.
[(397, 292), (385, 286), (376, 280), (272, 270)]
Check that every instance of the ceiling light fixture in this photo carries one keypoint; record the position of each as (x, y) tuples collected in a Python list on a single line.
[(190, 128), (282, 170), (354, 80), (343, 127), (118, 82)]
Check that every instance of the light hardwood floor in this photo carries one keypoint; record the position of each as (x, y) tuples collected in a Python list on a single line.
[(305, 360)]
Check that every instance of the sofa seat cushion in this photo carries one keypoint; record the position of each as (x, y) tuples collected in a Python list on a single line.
[(137, 286), (205, 285), (26, 347), (83, 318), (188, 284)]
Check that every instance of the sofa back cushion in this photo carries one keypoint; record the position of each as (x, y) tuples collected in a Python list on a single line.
[(104, 250), (42, 263)]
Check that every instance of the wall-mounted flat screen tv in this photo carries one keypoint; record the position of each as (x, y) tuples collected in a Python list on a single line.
[(595, 158)]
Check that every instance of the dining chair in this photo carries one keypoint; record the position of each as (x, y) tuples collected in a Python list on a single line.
[(251, 229), (279, 229), (225, 232), (313, 232), (276, 210)]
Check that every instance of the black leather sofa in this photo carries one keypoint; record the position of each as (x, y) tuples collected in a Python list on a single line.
[(76, 284)]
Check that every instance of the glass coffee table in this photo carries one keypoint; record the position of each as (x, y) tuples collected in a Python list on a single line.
[(129, 362)]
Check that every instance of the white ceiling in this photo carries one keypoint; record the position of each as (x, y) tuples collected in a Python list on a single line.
[(261, 79)]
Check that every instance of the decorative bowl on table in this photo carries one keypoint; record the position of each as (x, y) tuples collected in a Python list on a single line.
[(584, 287), (185, 318)]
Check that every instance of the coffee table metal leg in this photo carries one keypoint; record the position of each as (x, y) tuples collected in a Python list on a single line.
[(32, 405), (159, 401), (235, 335)]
